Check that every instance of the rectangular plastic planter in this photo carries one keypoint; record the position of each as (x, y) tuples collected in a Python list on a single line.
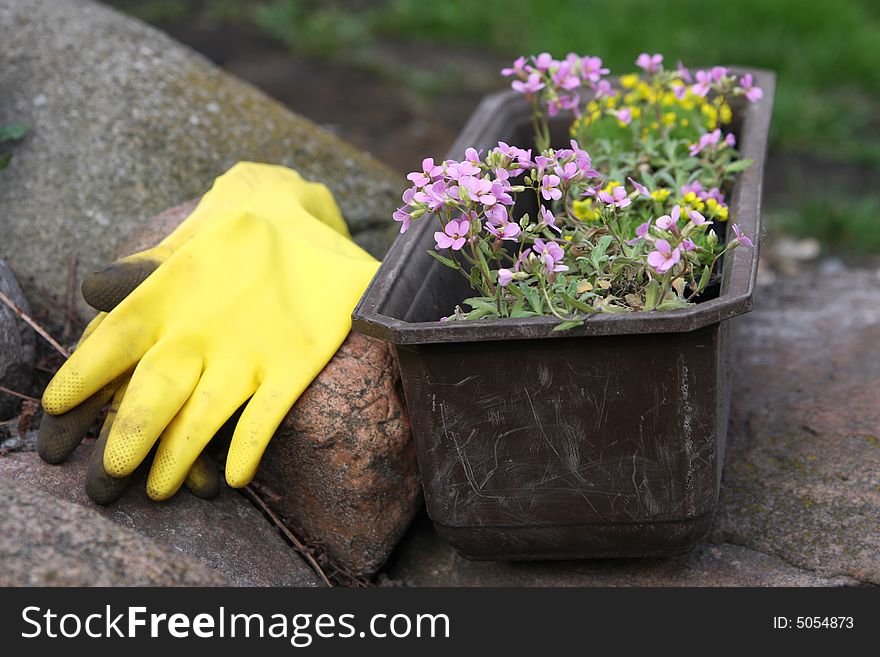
[(603, 441)]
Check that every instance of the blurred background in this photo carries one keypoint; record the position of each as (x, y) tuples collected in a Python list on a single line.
[(399, 78)]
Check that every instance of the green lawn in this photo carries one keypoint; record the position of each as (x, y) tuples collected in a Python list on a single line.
[(826, 55)]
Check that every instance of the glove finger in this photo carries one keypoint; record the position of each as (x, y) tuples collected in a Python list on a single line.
[(101, 487), (106, 288), (162, 382), (216, 397), (90, 328), (59, 435), (203, 479), (256, 427), (111, 350)]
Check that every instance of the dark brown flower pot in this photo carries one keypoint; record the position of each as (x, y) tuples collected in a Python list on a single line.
[(603, 441)]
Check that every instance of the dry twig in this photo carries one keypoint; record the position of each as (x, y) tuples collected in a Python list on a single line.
[(70, 312), (34, 325), (256, 499), (20, 395)]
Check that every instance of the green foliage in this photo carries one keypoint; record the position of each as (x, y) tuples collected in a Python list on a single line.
[(10, 132), (850, 225)]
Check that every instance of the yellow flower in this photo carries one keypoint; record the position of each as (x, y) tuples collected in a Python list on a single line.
[(583, 210), (660, 194), (711, 115), (669, 118), (655, 125), (726, 113), (711, 205), (592, 106), (684, 123), (629, 81), (722, 214)]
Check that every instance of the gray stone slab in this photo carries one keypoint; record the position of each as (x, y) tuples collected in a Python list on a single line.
[(227, 534), (47, 541)]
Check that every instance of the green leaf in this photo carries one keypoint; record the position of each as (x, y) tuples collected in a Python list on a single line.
[(704, 279), (652, 294), (482, 303), (478, 314), (673, 304), (12, 131), (574, 303), (446, 261), (4, 160), (518, 314), (534, 300), (564, 326), (739, 165)]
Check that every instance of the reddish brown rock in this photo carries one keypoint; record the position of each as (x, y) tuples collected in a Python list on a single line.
[(341, 470)]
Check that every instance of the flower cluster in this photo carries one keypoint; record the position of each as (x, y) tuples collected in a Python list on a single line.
[(553, 85), (638, 223)]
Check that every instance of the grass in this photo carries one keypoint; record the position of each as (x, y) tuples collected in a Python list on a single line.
[(826, 55), (847, 225)]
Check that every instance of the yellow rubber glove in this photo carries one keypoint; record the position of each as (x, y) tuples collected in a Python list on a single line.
[(248, 303)]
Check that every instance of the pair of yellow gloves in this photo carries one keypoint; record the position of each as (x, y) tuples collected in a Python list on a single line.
[(245, 301)]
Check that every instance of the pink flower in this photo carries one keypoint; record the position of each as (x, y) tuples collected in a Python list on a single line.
[(549, 188), (625, 116), (683, 72), (505, 231), (703, 84), (532, 84), (428, 174), (753, 93), (551, 254), (478, 189), (518, 68), (617, 198), (641, 231), (591, 69), (604, 90), (696, 218), (707, 139), (496, 214), (641, 189), (544, 61), (718, 73), (664, 257), (667, 222), (505, 276), (741, 238), (548, 219), (650, 63), (454, 235), (688, 244)]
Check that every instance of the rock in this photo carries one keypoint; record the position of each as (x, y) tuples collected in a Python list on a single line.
[(125, 122), (16, 344), (46, 541), (802, 477), (227, 535), (342, 465), (341, 468), (426, 560)]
